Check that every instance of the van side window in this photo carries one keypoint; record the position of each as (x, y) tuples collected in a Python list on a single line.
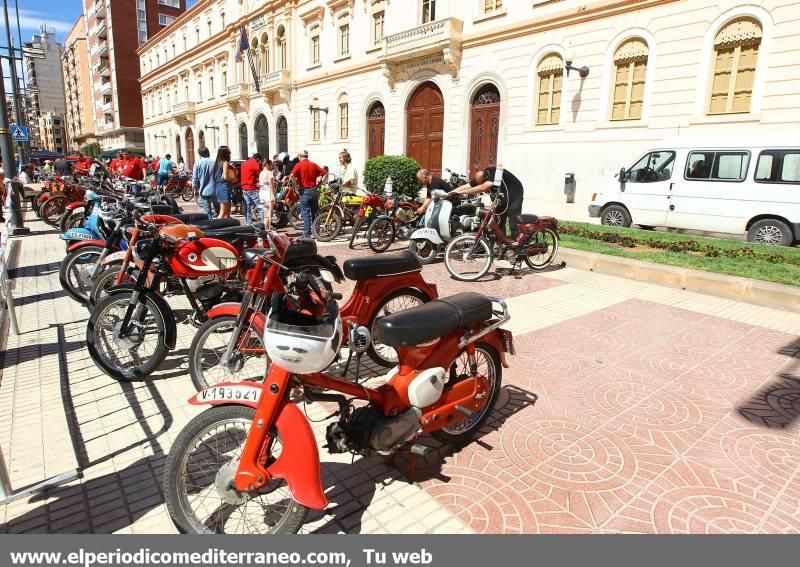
[(653, 167), (778, 166), (717, 166)]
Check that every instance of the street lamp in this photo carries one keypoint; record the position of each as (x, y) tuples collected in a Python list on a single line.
[(582, 71), (313, 108)]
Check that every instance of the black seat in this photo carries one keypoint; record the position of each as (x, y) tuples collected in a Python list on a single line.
[(527, 219), (160, 209), (215, 224), (433, 320), (301, 248), (251, 255), (230, 234), (192, 218), (381, 265)]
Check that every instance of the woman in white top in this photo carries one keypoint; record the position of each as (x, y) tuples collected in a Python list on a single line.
[(266, 190), (181, 167), (348, 173)]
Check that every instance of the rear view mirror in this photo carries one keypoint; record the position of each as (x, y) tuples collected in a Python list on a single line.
[(623, 177)]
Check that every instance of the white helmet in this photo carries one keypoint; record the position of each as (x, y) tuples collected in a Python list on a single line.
[(299, 342)]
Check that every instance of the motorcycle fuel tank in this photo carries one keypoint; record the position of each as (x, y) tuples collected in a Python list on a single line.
[(204, 257)]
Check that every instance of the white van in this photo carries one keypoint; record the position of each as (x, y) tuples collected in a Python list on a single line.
[(716, 188)]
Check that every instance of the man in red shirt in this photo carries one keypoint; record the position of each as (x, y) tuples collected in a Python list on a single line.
[(115, 164), (132, 167), (248, 180), (307, 173)]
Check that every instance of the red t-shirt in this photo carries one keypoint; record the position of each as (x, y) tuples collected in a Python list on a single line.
[(249, 174), (83, 165), (307, 172), (132, 168), (115, 164), (154, 164)]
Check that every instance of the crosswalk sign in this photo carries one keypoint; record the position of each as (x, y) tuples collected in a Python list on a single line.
[(19, 133)]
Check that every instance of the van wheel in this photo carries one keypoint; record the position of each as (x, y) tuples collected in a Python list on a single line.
[(771, 232), (616, 215)]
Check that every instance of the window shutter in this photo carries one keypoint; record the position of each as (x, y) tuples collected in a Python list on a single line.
[(736, 54)]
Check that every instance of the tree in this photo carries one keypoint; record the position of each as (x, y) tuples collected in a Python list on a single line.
[(92, 150)]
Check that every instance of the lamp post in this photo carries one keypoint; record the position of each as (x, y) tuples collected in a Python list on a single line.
[(582, 71), (321, 109)]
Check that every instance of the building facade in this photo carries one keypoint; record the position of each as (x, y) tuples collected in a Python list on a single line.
[(79, 115), (45, 81), (115, 29), (52, 132), (466, 84)]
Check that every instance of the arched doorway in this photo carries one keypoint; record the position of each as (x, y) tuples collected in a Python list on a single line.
[(484, 128), (425, 120), (283, 134), (262, 136), (243, 141), (376, 130), (190, 148)]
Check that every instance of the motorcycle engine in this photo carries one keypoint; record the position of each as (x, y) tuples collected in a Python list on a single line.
[(368, 430), (469, 223)]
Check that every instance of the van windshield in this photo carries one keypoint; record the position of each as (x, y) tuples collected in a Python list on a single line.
[(653, 167)]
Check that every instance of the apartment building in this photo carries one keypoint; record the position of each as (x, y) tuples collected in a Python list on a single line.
[(544, 87), (52, 133), (115, 29), (79, 116), (45, 81)]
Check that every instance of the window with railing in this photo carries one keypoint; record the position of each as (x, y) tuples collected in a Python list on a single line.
[(550, 72), (735, 56)]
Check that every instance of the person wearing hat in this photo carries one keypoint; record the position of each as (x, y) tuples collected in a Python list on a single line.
[(307, 175)]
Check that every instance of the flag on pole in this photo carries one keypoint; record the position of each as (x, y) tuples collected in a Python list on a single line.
[(244, 47)]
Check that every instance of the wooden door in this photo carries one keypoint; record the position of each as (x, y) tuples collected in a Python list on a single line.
[(376, 130), (484, 129), (425, 127), (190, 148)]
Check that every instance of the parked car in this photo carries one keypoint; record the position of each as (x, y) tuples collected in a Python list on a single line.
[(728, 188)]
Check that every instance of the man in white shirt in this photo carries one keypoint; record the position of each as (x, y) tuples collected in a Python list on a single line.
[(348, 173), (26, 175)]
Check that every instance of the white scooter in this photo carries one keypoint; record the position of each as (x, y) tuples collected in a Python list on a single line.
[(442, 223)]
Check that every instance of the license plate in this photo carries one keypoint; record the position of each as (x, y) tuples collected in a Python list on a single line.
[(229, 394), (115, 257), (425, 233), (508, 341)]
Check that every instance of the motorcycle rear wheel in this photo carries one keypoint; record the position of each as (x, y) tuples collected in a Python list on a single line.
[(489, 364), (209, 345), (105, 280), (464, 251), (398, 301), (119, 358), (70, 220), (187, 194), (199, 468), (380, 235), (52, 209), (541, 261), (425, 251)]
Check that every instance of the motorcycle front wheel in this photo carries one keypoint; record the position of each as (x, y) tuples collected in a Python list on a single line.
[(380, 235), (188, 193), (141, 351), (467, 259), (199, 473), (209, 345), (424, 250), (327, 225), (356, 227), (76, 270), (70, 220), (52, 209)]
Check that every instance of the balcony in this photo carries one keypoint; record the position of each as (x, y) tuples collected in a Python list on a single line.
[(98, 10), (275, 83), (435, 44), (102, 48), (105, 87), (238, 96), (183, 112), (99, 29)]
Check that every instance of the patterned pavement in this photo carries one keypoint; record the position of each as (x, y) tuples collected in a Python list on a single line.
[(629, 408)]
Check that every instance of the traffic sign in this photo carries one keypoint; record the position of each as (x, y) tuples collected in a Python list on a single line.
[(19, 133)]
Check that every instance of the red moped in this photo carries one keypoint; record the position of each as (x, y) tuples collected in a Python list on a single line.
[(250, 463)]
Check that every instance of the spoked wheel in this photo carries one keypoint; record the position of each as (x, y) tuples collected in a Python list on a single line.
[(103, 282), (248, 363), (327, 225), (398, 301), (488, 365), (70, 220), (550, 239), (424, 250), (52, 209), (380, 235), (76, 271), (136, 354), (467, 259), (356, 227), (199, 474), (188, 193)]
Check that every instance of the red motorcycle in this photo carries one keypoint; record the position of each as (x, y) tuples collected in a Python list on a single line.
[(229, 346), (250, 464), (51, 203)]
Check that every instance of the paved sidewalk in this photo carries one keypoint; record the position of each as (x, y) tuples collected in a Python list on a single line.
[(629, 408)]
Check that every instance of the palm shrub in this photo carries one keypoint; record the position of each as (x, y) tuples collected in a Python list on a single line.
[(401, 169)]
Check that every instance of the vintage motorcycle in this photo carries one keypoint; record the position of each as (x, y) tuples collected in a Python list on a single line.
[(228, 347), (250, 463), (443, 221)]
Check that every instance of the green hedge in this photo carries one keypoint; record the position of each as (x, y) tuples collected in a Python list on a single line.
[(402, 170)]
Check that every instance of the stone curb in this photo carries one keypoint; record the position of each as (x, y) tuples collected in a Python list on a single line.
[(757, 292)]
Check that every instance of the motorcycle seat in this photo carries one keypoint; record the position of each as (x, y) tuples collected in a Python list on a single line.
[(192, 218), (162, 209), (217, 224), (300, 248), (230, 234), (527, 219), (433, 320), (382, 265)]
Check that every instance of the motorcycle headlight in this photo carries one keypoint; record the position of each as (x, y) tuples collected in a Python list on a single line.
[(143, 249)]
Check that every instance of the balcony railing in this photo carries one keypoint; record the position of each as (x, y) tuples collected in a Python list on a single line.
[(105, 87), (184, 110), (99, 29), (433, 37), (273, 82), (99, 9)]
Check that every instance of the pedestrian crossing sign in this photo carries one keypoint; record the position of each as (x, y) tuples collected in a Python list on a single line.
[(19, 133)]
